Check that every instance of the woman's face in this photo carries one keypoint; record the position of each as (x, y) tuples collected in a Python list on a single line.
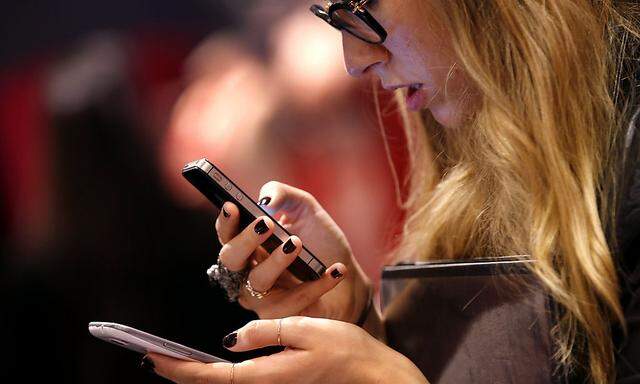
[(417, 55)]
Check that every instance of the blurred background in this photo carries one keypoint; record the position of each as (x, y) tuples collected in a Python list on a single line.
[(102, 103)]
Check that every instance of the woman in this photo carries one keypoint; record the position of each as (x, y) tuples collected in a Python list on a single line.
[(516, 124)]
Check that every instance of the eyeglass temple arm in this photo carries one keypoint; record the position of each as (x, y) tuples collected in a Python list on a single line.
[(359, 5)]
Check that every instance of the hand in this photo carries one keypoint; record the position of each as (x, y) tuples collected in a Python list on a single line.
[(340, 294), (317, 351)]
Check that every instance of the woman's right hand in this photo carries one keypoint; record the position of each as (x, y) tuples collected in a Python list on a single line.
[(340, 294)]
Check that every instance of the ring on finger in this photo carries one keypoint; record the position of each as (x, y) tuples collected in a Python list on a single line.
[(254, 293), (231, 374), (279, 332), (230, 281)]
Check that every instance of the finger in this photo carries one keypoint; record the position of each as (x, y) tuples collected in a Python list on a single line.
[(308, 293), (287, 280), (265, 274), (276, 197), (235, 253), (268, 307), (297, 297), (227, 222), (295, 332), (188, 372)]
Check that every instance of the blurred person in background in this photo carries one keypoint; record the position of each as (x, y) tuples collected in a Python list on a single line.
[(95, 235), (100, 224), (523, 116), (264, 119)]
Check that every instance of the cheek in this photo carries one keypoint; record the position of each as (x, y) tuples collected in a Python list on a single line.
[(421, 52), (456, 102)]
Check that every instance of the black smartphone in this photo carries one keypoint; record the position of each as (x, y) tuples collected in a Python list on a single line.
[(218, 188)]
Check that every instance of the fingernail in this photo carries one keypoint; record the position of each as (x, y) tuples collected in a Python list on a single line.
[(230, 340), (147, 364), (265, 201), (225, 213), (336, 274), (288, 247), (261, 227)]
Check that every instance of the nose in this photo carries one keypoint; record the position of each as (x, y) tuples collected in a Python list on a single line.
[(360, 56)]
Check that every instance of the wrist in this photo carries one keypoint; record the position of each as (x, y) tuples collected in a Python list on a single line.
[(362, 295)]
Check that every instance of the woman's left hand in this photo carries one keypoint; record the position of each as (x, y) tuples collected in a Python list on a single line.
[(318, 351)]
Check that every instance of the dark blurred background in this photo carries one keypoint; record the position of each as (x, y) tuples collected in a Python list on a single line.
[(101, 105)]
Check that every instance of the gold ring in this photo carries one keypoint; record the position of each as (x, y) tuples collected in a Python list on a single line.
[(279, 331), (257, 294), (233, 366)]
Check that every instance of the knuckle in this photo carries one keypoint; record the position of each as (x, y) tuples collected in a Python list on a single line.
[(229, 259), (225, 256), (252, 330), (272, 184), (300, 322), (309, 198), (305, 296), (258, 282)]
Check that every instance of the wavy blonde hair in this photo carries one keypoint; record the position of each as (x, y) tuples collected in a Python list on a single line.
[(533, 172)]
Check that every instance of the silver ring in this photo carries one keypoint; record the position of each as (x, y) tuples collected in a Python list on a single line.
[(279, 332), (257, 294), (228, 280)]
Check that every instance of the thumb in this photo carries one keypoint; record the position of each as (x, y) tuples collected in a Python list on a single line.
[(276, 197)]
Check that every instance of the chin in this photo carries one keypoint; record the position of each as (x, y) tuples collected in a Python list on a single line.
[(446, 116)]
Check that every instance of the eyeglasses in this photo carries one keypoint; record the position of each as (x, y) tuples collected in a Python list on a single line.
[(352, 17)]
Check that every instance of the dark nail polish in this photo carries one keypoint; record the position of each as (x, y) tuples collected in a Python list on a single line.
[(336, 274), (288, 247), (230, 340), (225, 213), (147, 364), (265, 201), (261, 228)]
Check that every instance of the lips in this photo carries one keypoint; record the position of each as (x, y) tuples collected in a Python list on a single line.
[(417, 97)]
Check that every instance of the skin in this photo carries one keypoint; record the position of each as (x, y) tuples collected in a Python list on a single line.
[(417, 50)]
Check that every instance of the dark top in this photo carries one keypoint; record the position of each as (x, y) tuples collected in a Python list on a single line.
[(628, 348), (465, 328)]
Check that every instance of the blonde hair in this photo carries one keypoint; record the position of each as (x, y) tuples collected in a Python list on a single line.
[(533, 172)]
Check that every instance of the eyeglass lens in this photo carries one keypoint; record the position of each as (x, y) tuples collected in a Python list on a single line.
[(345, 19)]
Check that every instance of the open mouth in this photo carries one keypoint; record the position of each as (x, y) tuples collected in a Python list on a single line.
[(413, 88), (416, 97)]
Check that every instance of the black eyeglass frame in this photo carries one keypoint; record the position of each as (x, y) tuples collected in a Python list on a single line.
[(357, 8)]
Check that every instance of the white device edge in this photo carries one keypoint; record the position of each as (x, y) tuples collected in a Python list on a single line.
[(142, 342)]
